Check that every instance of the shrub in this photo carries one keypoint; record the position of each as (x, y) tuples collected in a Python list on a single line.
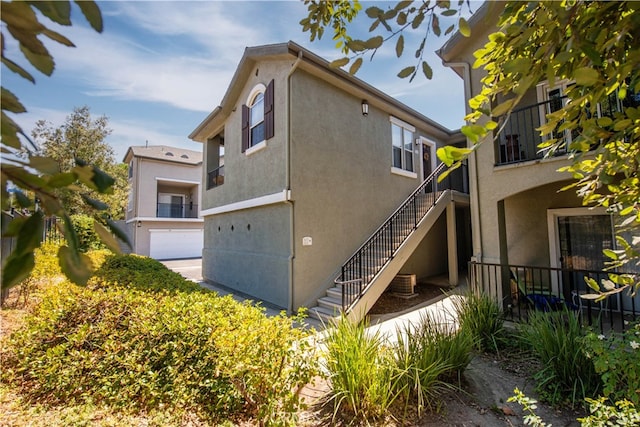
[(361, 370), (88, 239), (145, 350), (616, 359), (480, 315), (139, 272), (430, 356), (567, 374)]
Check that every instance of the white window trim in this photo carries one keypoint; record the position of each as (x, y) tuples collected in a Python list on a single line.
[(552, 229), (259, 88), (400, 123), (430, 142), (402, 172), (259, 146)]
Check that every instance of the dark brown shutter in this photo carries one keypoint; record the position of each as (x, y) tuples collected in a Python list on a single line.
[(245, 128), (268, 112)]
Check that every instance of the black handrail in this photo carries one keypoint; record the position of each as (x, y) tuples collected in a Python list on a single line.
[(215, 178), (356, 274)]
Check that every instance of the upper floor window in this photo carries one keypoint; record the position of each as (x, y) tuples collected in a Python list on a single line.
[(258, 116), (131, 169), (402, 145)]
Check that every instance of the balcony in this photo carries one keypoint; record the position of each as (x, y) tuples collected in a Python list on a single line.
[(215, 178), (177, 210), (524, 288), (518, 142)]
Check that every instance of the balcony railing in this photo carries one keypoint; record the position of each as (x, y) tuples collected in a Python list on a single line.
[(519, 139), (525, 288), (215, 178), (177, 210)]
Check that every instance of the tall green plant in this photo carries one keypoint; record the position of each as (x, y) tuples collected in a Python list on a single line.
[(430, 355), (567, 373), (361, 370), (480, 315)]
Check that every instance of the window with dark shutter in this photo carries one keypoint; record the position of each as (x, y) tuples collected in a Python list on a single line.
[(245, 128), (268, 112)]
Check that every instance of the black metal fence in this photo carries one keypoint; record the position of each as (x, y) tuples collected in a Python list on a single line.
[(177, 210), (215, 178), (525, 288)]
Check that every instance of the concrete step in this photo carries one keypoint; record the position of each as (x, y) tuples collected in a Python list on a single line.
[(331, 303), (324, 314)]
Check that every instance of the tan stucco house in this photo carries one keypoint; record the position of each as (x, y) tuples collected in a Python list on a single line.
[(316, 164), (163, 213), (523, 224)]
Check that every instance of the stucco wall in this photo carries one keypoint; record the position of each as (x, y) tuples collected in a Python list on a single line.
[(430, 258), (341, 180), (249, 251), (146, 184), (263, 172)]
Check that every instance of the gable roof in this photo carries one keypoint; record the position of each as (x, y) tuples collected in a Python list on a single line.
[(309, 61), (164, 153)]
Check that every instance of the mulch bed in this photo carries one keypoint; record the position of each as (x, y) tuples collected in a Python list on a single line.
[(389, 303)]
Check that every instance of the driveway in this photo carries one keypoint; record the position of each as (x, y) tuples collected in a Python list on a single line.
[(189, 268)]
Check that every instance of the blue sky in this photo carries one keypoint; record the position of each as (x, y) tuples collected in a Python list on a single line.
[(160, 67)]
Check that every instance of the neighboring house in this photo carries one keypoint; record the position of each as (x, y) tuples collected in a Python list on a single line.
[(523, 224), (163, 214), (316, 161)]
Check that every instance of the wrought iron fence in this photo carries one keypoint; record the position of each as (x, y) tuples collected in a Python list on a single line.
[(524, 288), (215, 178)]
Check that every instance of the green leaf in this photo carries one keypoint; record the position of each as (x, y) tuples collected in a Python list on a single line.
[(464, 27), (586, 76), (76, 266), (401, 19), (18, 14), (106, 237), (70, 233), (61, 180), (339, 62), (373, 12), (58, 37), (16, 269), (610, 254), (403, 4), (374, 42), (400, 46), (406, 72), (503, 108), (92, 12), (417, 21), (120, 234), (9, 131), (29, 235), (449, 12), (435, 24), (622, 124), (11, 103), (58, 11), (43, 63), (96, 204), (604, 121), (355, 66), (426, 70), (17, 69), (450, 154), (45, 165)]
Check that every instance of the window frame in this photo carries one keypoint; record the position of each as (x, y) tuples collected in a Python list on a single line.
[(407, 138)]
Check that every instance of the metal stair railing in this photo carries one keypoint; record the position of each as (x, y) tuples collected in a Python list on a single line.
[(356, 274)]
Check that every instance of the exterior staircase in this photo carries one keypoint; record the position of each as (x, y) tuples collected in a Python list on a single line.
[(365, 276)]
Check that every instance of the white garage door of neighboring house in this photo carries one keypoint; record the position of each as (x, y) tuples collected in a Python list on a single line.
[(175, 244)]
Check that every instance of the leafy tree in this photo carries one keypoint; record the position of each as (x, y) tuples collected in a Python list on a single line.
[(36, 174), (591, 43), (82, 137)]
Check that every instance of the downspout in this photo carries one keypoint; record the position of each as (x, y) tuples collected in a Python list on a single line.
[(473, 167), (288, 180)]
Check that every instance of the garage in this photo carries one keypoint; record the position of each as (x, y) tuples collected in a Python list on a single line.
[(175, 243)]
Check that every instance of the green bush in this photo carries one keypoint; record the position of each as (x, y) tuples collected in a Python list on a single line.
[(361, 370), (481, 316), (140, 350), (88, 239), (616, 359), (430, 356), (567, 374), (139, 272)]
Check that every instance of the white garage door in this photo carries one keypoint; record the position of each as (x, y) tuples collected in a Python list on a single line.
[(175, 244)]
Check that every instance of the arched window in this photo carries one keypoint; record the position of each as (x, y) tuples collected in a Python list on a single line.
[(256, 119), (257, 116)]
